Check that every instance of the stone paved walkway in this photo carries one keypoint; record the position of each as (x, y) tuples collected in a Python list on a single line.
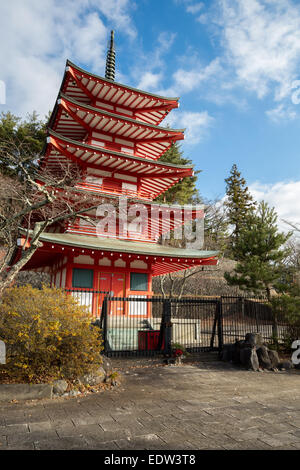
[(202, 405)]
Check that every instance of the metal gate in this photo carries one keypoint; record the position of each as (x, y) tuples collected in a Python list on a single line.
[(148, 326)]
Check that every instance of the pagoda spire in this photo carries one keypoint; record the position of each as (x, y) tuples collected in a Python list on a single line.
[(111, 59)]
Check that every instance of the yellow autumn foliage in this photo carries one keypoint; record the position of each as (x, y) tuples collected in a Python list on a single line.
[(48, 335)]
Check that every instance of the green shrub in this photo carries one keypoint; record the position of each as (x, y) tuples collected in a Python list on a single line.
[(287, 307), (48, 335)]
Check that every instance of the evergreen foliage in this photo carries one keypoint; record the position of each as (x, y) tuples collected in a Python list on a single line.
[(259, 251), (185, 191), (238, 203)]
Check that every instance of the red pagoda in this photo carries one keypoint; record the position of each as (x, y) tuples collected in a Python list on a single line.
[(113, 133)]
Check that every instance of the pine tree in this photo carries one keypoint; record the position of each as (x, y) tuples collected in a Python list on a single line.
[(29, 134), (185, 191), (238, 203), (260, 252)]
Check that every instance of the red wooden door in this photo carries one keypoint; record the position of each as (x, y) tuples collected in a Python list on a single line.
[(104, 286), (118, 290)]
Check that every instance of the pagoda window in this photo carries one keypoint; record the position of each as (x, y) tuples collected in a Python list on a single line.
[(83, 278), (138, 281)]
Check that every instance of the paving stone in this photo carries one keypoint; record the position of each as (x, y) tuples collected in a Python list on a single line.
[(14, 429), (174, 436), (95, 443), (286, 437), (146, 442), (81, 430), (21, 446), (153, 426), (31, 437), (133, 426), (271, 441), (42, 426), (105, 418), (177, 445), (65, 430), (85, 420), (15, 419), (3, 441), (252, 444), (72, 443)]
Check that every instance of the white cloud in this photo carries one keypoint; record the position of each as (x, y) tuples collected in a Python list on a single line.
[(281, 112), (284, 196), (37, 37), (149, 81), (186, 80), (195, 8), (262, 42), (258, 45), (203, 19), (196, 124)]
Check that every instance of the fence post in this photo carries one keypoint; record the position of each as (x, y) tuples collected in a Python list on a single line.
[(242, 306), (220, 324), (275, 328), (167, 326), (216, 319), (103, 323)]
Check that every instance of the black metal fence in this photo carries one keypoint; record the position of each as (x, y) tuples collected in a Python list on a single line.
[(241, 315), (148, 326), (138, 325)]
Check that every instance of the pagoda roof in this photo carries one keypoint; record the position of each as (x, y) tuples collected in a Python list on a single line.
[(75, 119), (94, 89), (165, 258), (153, 177)]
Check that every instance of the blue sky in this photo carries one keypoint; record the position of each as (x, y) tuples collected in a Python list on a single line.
[(234, 63)]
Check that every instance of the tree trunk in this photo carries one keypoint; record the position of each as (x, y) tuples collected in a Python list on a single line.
[(11, 272)]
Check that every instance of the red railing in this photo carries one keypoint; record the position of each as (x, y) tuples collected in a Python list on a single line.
[(109, 188), (92, 230)]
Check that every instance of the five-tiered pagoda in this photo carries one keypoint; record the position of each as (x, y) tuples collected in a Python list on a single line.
[(113, 133)]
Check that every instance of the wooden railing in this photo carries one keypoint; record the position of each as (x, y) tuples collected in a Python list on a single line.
[(113, 189), (92, 230)]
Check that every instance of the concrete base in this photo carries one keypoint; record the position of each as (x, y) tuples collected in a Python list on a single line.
[(9, 392)]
